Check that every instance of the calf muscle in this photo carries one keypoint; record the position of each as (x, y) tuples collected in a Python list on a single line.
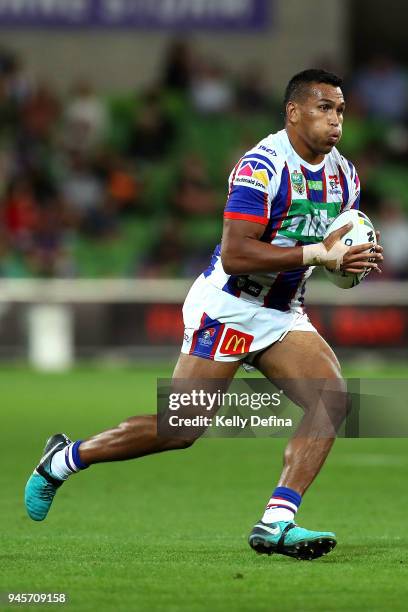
[(138, 436)]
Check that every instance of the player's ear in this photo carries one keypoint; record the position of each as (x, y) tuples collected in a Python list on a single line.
[(292, 112)]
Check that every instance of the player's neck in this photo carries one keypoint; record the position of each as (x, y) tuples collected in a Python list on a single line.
[(302, 148)]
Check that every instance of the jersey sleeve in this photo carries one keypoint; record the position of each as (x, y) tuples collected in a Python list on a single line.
[(252, 187), (354, 188)]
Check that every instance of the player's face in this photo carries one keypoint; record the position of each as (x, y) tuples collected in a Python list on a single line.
[(320, 118)]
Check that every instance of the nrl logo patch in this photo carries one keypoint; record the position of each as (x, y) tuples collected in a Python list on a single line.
[(298, 182)]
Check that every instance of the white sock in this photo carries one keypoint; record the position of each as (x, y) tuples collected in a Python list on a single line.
[(282, 506), (273, 515), (59, 464)]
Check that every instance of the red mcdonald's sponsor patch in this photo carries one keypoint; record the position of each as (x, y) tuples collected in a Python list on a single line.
[(236, 342)]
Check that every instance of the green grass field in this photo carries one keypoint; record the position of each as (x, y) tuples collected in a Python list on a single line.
[(169, 532)]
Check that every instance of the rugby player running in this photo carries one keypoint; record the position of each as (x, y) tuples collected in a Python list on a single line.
[(249, 306)]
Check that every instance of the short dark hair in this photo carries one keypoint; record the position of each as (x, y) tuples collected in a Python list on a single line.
[(298, 86)]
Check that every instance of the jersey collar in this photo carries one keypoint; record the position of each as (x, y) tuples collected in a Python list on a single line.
[(302, 162)]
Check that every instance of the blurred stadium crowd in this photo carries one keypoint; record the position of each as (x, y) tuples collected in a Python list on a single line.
[(133, 184)]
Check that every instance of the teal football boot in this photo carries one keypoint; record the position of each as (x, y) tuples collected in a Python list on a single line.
[(286, 538), (42, 486)]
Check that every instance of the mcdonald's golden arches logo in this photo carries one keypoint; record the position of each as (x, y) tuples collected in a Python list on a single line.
[(236, 342)]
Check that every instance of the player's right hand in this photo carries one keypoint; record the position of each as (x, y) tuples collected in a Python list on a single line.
[(338, 234)]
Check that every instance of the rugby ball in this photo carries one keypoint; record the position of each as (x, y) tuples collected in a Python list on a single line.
[(362, 231)]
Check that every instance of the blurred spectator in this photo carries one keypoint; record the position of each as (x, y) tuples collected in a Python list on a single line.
[(166, 255), (102, 224), (211, 90), (178, 66), (382, 89), (368, 164), (15, 88), (153, 131), (7, 167), (252, 93), (123, 186), (36, 233), (82, 189), (194, 194), (40, 112), (20, 85), (20, 211), (36, 151), (11, 264), (396, 139), (85, 118), (46, 255), (8, 110), (393, 225), (7, 61)]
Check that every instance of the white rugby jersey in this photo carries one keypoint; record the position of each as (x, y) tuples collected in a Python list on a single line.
[(295, 201)]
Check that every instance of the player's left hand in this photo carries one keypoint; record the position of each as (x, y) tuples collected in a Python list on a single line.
[(379, 249), (359, 265)]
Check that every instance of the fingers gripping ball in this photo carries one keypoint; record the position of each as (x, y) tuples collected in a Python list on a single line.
[(362, 232)]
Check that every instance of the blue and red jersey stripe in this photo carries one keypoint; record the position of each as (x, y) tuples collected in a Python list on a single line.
[(279, 207), (284, 289)]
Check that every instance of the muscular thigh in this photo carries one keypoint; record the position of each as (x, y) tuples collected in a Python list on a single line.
[(192, 376), (299, 355), (192, 367), (195, 373), (306, 368)]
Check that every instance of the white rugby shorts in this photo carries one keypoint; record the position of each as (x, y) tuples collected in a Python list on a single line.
[(222, 327)]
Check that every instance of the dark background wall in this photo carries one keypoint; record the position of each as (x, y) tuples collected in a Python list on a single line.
[(378, 26)]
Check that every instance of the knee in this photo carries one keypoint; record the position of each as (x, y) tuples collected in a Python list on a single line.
[(187, 442), (327, 400), (146, 424), (336, 400), (337, 394)]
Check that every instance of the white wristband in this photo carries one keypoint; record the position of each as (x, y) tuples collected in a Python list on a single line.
[(318, 255)]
